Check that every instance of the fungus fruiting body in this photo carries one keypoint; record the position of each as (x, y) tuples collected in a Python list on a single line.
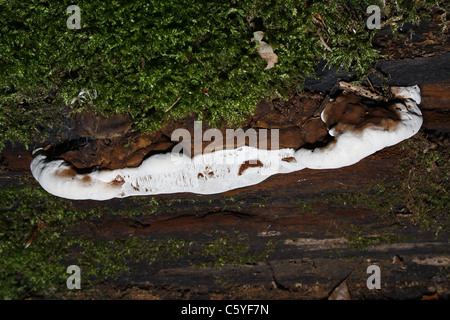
[(356, 143), (209, 173), (225, 170)]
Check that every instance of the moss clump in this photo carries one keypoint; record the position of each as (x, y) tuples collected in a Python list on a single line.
[(232, 249), (158, 60), (37, 246), (303, 206), (360, 241), (30, 216), (419, 191), (424, 189)]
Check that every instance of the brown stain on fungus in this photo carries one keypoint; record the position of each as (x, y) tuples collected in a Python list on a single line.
[(249, 164), (349, 113), (137, 187), (118, 181), (86, 179), (289, 159), (67, 173)]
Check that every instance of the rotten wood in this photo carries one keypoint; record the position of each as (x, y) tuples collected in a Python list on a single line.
[(361, 91), (312, 255)]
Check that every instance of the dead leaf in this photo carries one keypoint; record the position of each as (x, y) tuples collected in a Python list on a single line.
[(429, 42), (40, 225), (265, 51), (399, 261), (317, 19), (430, 297), (340, 292), (441, 261)]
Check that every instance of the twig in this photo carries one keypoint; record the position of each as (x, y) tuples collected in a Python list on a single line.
[(323, 41), (370, 84), (40, 225), (322, 106), (178, 99), (361, 91)]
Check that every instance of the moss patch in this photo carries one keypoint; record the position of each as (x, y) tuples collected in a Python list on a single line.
[(154, 61), (36, 249), (419, 192), (360, 241)]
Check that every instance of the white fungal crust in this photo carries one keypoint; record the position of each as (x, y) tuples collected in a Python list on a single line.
[(224, 170), (210, 173)]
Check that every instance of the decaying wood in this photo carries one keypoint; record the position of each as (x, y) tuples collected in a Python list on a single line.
[(311, 255), (361, 91)]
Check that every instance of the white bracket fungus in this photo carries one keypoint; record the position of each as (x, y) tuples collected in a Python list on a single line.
[(224, 170), (351, 146)]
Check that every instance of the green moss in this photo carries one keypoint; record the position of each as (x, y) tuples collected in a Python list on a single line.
[(105, 260), (29, 114), (234, 250), (303, 206), (145, 206), (40, 269), (418, 192), (160, 60), (361, 242), (425, 185), (31, 214)]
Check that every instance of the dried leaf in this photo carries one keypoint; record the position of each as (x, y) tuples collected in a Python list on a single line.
[(40, 225), (265, 51), (430, 297), (399, 261), (340, 292), (317, 19)]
